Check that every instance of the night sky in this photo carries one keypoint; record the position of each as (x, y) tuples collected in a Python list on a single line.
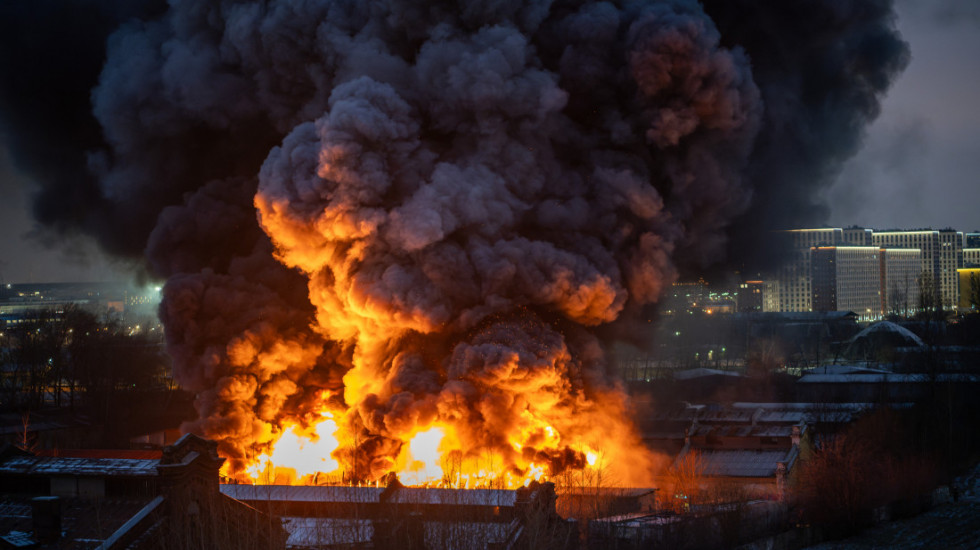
[(917, 167)]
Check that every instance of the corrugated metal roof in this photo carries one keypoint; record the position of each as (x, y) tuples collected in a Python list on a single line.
[(884, 378), (459, 497), (781, 417), (741, 463), (404, 495), (44, 465), (300, 493), (103, 453), (772, 431)]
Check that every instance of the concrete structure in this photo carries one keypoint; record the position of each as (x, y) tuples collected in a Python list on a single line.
[(789, 289), (808, 238), (410, 518), (749, 296), (942, 253), (900, 269), (971, 257), (969, 280), (847, 278), (950, 259), (857, 236)]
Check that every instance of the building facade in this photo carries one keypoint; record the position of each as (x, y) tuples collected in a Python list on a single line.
[(950, 259), (971, 257), (900, 270), (847, 278), (789, 289)]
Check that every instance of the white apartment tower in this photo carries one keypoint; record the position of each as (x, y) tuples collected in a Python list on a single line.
[(942, 255), (971, 257), (950, 259), (857, 236), (900, 270), (789, 289), (847, 278), (927, 241)]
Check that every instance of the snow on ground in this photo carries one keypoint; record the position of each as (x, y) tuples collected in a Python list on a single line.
[(955, 525)]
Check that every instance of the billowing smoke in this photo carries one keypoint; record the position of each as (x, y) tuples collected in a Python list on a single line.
[(454, 198)]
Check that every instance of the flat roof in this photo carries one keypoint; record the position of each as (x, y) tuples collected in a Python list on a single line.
[(46, 465)]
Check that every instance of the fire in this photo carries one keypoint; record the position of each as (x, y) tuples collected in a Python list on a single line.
[(300, 453), (432, 457)]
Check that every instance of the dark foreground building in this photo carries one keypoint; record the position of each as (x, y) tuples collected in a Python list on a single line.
[(120, 501), (127, 503)]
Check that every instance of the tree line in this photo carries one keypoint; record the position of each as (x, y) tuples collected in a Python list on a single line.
[(73, 358)]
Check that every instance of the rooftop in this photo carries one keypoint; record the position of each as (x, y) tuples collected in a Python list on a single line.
[(50, 465)]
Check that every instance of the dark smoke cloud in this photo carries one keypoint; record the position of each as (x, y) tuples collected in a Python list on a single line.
[(453, 196), (823, 68)]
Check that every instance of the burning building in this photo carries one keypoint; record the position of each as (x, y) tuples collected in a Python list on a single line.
[(399, 236)]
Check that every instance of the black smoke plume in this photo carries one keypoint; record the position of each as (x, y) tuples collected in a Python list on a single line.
[(453, 197)]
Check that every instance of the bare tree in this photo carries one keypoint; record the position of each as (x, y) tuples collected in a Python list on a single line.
[(974, 298)]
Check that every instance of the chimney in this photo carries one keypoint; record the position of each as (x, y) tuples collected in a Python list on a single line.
[(781, 471), (46, 519)]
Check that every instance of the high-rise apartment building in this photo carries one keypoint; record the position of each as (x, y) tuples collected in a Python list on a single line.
[(847, 278), (900, 270), (808, 238), (789, 288), (749, 296), (927, 241), (971, 257), (968, 280), (950, 259), (857, 236), (909, 262)]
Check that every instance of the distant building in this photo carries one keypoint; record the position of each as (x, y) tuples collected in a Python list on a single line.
[(939, 254), (971, 240), (900, 270), (967, 276), (847, 278), (808, 238), (971, 257), (942, 255), (950, 259), (789, 289), (857, 236), (749, 296)]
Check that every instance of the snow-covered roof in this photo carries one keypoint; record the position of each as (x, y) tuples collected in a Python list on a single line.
[(742, 463), (48, 465), (339, 494), (883, 378), (846, 369), (457, 497), (701, 372), (887, 327), (301, 493)]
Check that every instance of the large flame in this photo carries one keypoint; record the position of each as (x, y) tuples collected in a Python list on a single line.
[(432, 457)]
